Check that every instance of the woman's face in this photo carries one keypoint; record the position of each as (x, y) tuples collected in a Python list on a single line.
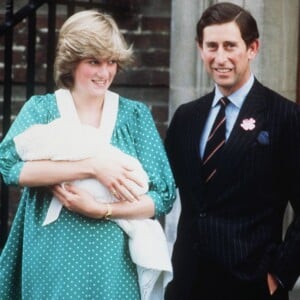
[(94, 76)]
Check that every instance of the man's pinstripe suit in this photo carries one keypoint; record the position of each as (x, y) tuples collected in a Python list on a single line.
[(230, 231)]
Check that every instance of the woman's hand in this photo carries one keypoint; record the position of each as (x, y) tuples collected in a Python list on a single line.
[(78, 200), (114, 174)]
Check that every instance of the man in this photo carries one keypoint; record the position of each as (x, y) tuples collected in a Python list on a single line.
[(234, 193)]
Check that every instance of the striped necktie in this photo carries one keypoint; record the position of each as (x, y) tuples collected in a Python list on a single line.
[(215, 142)]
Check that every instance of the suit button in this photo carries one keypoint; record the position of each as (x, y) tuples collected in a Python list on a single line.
[(203, 214)]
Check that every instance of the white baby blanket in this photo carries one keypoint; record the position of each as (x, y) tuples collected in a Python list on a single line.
[(67, 139)]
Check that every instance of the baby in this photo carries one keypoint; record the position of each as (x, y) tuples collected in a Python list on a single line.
[(66, 139)]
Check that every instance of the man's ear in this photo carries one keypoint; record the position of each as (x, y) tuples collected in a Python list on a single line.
[(253, 49), (199, 46)]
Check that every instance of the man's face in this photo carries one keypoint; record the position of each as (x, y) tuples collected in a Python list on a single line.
[(226, 57)]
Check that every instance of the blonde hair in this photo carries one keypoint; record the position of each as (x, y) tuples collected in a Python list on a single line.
[(88, 34)]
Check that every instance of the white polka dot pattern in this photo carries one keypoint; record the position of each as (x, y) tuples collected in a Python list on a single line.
[(77, 257)]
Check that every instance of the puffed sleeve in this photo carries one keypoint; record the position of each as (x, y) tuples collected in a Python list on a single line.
[(152, 155), (37, 110)]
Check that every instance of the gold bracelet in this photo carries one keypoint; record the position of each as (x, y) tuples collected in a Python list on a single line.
[(108, 214)]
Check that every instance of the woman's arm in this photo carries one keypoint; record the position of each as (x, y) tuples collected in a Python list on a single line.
[(105, 168), (82, 202), (46, 172)]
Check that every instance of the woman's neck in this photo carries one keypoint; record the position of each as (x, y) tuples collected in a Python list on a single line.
[(89, 109)]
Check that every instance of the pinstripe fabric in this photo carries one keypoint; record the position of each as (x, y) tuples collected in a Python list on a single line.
[(215, 142), (234, 225)]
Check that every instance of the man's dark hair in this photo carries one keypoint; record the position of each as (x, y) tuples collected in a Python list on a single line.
[(225, 12)]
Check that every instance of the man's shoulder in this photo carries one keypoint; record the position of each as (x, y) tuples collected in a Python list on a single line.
[(271, 94), (196, 104)]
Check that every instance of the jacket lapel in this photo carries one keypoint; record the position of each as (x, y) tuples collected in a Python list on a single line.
[(196, 125), (199, 119)]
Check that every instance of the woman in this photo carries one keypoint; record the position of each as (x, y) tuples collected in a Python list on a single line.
[(82, 255)]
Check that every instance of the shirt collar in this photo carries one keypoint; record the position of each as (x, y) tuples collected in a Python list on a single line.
[(238, 97)]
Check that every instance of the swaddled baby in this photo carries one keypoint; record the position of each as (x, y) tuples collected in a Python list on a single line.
[(67, 139)]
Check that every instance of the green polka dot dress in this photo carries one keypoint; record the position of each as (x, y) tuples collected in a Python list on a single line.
[(77, 257)]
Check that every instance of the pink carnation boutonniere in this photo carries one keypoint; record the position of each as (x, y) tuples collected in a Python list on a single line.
[(248, 124)]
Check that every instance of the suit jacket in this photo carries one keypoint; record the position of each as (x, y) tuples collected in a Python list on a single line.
[(236, 222)]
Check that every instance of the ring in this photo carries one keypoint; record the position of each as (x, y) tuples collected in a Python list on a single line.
[(114, 192)]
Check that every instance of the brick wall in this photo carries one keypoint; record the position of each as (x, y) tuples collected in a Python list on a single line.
[(145, 24)]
